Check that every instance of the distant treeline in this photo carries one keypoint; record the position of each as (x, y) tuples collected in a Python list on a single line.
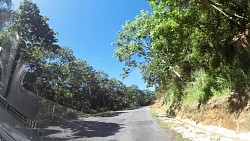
[(56, 74)]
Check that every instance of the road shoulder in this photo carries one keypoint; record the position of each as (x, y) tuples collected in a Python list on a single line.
[(188, 130)]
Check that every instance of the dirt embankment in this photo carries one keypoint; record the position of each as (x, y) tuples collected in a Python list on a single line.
[(230, 112)]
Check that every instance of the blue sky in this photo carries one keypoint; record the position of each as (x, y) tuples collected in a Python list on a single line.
[(89, 27)]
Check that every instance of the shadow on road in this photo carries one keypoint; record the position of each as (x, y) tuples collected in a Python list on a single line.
[(79, 130), (112, 114)]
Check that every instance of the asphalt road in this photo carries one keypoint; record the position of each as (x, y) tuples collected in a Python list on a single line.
[(128, 125)]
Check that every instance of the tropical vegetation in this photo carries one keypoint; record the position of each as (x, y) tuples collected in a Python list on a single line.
[(55, 73), (191, 50)]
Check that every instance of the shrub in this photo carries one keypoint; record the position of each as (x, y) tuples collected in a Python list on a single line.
[(173, 96), (199, 89)]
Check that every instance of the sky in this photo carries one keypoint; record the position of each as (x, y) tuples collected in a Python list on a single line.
[(89, 27)]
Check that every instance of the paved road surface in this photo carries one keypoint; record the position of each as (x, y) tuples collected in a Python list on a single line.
[(129, 125)]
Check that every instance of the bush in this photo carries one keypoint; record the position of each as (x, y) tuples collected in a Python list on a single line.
[(173, 96), (199, 90)]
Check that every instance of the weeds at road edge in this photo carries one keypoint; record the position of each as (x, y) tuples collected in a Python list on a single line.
[(165, 126)]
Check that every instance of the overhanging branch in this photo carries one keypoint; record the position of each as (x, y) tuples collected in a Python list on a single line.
[(215, 6)]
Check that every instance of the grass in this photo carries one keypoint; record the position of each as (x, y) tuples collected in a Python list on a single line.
[(203, 87), (166, 126), (199, 88)]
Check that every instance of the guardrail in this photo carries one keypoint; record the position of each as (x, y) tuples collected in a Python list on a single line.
[(18, 115)]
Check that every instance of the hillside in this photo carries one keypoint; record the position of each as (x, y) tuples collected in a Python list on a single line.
[(215, 112), (196, 53)]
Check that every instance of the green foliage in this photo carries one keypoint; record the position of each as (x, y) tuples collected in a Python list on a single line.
[(56, 74), (5, 12), (173, 95), (200, 88), (34, 33), (204, 44)]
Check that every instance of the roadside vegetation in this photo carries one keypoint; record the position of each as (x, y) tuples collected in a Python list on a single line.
[(55, 73), (195, 52), (166, 126)]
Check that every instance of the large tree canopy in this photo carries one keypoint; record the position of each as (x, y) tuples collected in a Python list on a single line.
[(5, 11), (191, 50), (34, 31), (179, 37), (56, 74)]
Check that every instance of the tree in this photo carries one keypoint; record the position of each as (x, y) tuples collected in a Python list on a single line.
[(180, 36), (181, 41), (56, 74), (37, 42), (37, 39), (5, 12)]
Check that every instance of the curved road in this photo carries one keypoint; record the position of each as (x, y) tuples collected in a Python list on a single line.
[(128, 125)]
